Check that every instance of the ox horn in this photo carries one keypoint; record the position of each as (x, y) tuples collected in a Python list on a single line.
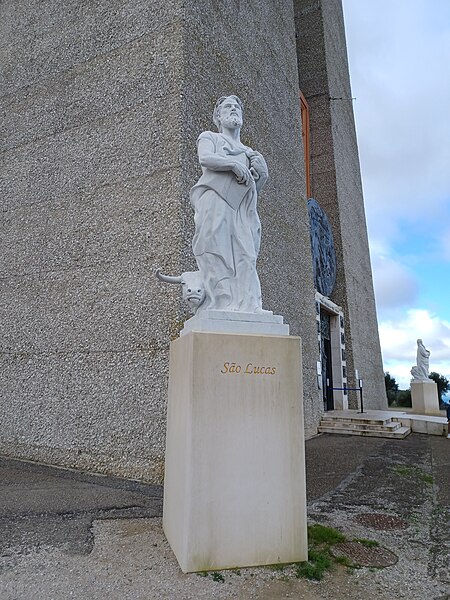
[(167, 278)]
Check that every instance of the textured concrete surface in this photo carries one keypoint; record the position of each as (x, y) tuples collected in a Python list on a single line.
[(91, 206), (65, 534), (102, 104), (336, 185)]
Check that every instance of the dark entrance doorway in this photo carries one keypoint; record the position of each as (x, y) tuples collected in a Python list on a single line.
[(327, 371)]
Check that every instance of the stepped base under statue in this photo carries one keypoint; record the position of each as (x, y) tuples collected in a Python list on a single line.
[(424, 397), (234, 490), (227, 321)]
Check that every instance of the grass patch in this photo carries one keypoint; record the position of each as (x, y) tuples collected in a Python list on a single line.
[(367, 543), (403, 470), (320, 560), (215, 575), (412, 472), (343, 560), (319, 534), (321, 539), (318, 564)]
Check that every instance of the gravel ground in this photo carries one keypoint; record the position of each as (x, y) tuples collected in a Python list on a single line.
[(123, 553), (132, 560)]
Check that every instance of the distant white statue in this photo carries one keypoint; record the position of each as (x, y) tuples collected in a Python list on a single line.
[(227, 227), (421, 370)]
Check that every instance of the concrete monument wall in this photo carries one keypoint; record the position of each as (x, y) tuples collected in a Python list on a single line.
[(336, 185), (102, 106), (250, 48), (90, 189)]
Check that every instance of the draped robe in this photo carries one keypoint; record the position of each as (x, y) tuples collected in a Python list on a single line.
[(227, 232)]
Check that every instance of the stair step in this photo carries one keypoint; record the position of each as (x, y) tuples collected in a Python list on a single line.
[(399, 433), (391, 426), (357, 419)]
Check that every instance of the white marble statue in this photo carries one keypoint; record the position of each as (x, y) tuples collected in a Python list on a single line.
[(227, 227), (421, 370)]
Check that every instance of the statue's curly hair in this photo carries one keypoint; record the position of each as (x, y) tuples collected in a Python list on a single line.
[(216, 112)]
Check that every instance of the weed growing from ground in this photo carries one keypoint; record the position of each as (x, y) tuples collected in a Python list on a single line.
[(319, 534), (403, 470), (215, 575), (342, 560), (367, 543), (411, 472), (319, 562), (320, 540)]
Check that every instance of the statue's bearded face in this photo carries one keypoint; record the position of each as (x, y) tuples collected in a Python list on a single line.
[(230, 113)]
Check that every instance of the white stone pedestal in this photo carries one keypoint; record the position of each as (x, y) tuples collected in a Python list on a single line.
[(223, 321), (234, 491), (424, 396)]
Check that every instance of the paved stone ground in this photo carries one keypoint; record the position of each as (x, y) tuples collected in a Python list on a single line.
[(71, 535)]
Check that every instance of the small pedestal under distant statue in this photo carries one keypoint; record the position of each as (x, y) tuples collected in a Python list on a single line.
[(234, 491)]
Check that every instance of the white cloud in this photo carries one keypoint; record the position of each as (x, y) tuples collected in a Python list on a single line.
[(395, 285), (399, 343), (398, 67), (399, 54)]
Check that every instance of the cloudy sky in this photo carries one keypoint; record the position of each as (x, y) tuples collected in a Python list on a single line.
[(399, 55)]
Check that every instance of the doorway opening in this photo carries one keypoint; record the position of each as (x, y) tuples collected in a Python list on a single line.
[(332, 367), (326, 360)]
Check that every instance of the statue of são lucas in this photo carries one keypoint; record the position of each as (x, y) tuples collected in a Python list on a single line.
[(227, 227)]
